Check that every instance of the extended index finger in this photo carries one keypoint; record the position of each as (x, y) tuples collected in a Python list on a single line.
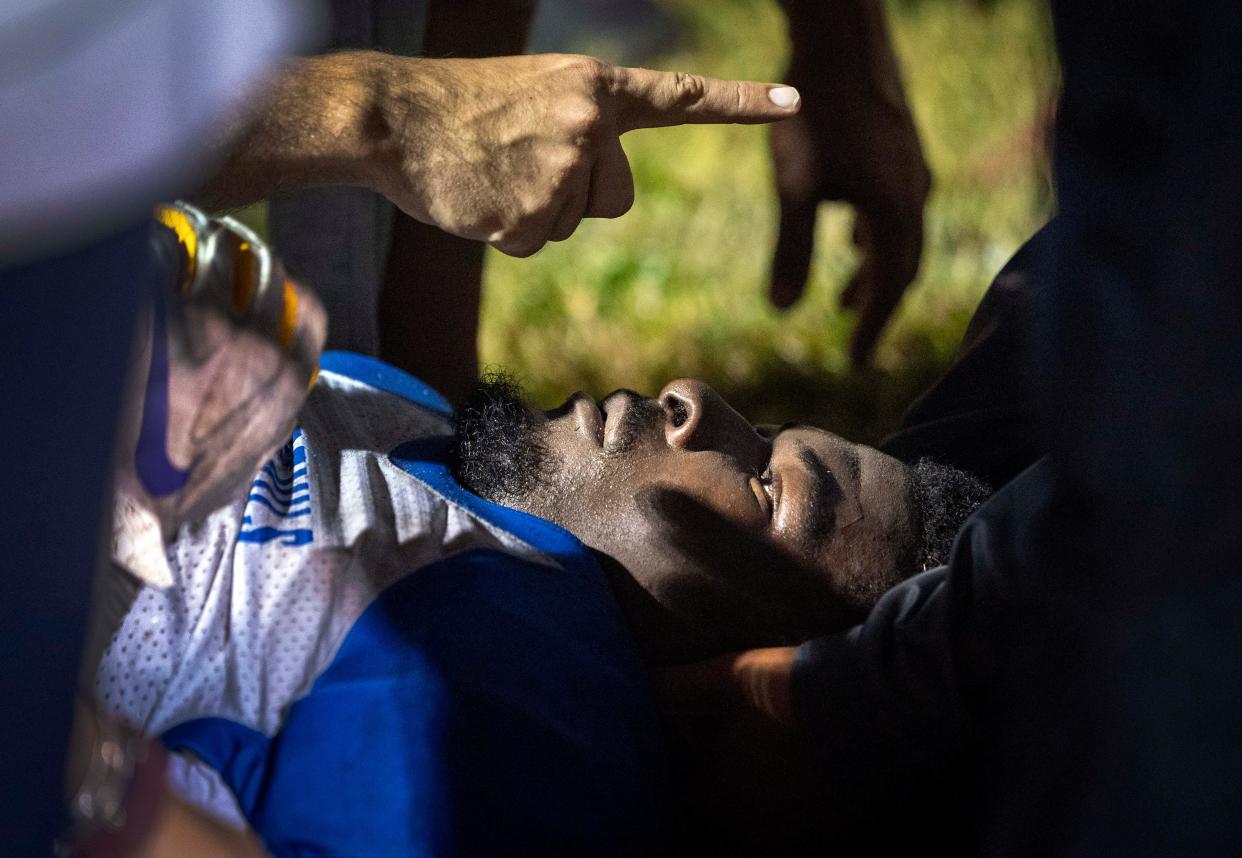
[(650, 99)]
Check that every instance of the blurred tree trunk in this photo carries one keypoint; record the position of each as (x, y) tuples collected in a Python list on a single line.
[(431, 274)]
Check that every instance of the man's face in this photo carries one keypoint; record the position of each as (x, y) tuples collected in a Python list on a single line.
[(738, 535)]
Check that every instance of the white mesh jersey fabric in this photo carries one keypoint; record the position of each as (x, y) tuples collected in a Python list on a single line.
[(259, 607)]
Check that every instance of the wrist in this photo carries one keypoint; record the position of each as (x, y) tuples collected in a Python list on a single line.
[(398, 98), (346, 92), (319, 126)]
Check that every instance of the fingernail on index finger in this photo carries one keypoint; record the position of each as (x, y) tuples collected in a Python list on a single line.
[(784, 96)]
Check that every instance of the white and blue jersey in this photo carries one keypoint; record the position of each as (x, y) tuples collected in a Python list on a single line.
[(361, 658)]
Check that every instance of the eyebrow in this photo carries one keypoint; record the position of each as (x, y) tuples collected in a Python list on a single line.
[(820, 518)]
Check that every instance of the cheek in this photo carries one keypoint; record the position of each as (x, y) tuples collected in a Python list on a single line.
[(719, 487), (863, 565), (593, 499)]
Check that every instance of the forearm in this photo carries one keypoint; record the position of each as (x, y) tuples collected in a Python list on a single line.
[(320, 123)]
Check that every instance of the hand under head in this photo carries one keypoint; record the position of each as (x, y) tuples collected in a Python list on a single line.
[(719, 534)]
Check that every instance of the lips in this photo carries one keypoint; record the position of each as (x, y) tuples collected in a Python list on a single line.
[(589, 417)]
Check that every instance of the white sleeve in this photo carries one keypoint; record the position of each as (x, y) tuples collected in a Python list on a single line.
[(200, 785)]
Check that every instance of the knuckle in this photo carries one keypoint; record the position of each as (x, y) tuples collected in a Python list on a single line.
[(575, 161), (588, 120), (593, 72), (688, 88), (539, 210), (509, 242), (489, 224), (530, 210)]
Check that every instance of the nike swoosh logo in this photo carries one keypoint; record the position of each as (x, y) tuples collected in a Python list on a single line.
[(158, 475)]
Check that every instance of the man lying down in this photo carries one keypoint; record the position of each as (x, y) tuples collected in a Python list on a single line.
[(713, 531), (414, 632)]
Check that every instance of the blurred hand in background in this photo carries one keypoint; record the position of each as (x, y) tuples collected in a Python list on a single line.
[(854, 141)]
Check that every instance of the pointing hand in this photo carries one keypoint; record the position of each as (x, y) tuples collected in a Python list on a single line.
[(516, 151)]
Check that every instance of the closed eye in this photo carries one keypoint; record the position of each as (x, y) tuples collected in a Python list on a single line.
[(765, 487)]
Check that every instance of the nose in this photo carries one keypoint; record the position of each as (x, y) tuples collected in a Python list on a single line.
[(698, 418)]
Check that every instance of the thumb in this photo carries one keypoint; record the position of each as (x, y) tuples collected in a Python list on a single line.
[(860, 284), (873, 306), (795, 245), (891, 247)]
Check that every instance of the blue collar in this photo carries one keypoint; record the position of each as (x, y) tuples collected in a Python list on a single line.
[(427, 459), (378, 374)]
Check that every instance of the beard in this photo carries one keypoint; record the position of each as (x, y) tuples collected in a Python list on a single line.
[(498, 447), (945, 497)]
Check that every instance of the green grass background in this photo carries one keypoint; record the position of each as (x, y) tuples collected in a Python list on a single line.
[(678, 286)]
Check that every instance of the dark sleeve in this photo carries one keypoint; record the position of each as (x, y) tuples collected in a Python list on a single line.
[(889, 682), (981, 416), (1141, 729), (891, 706)]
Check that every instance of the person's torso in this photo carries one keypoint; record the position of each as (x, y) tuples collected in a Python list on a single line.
[(352, 580)]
